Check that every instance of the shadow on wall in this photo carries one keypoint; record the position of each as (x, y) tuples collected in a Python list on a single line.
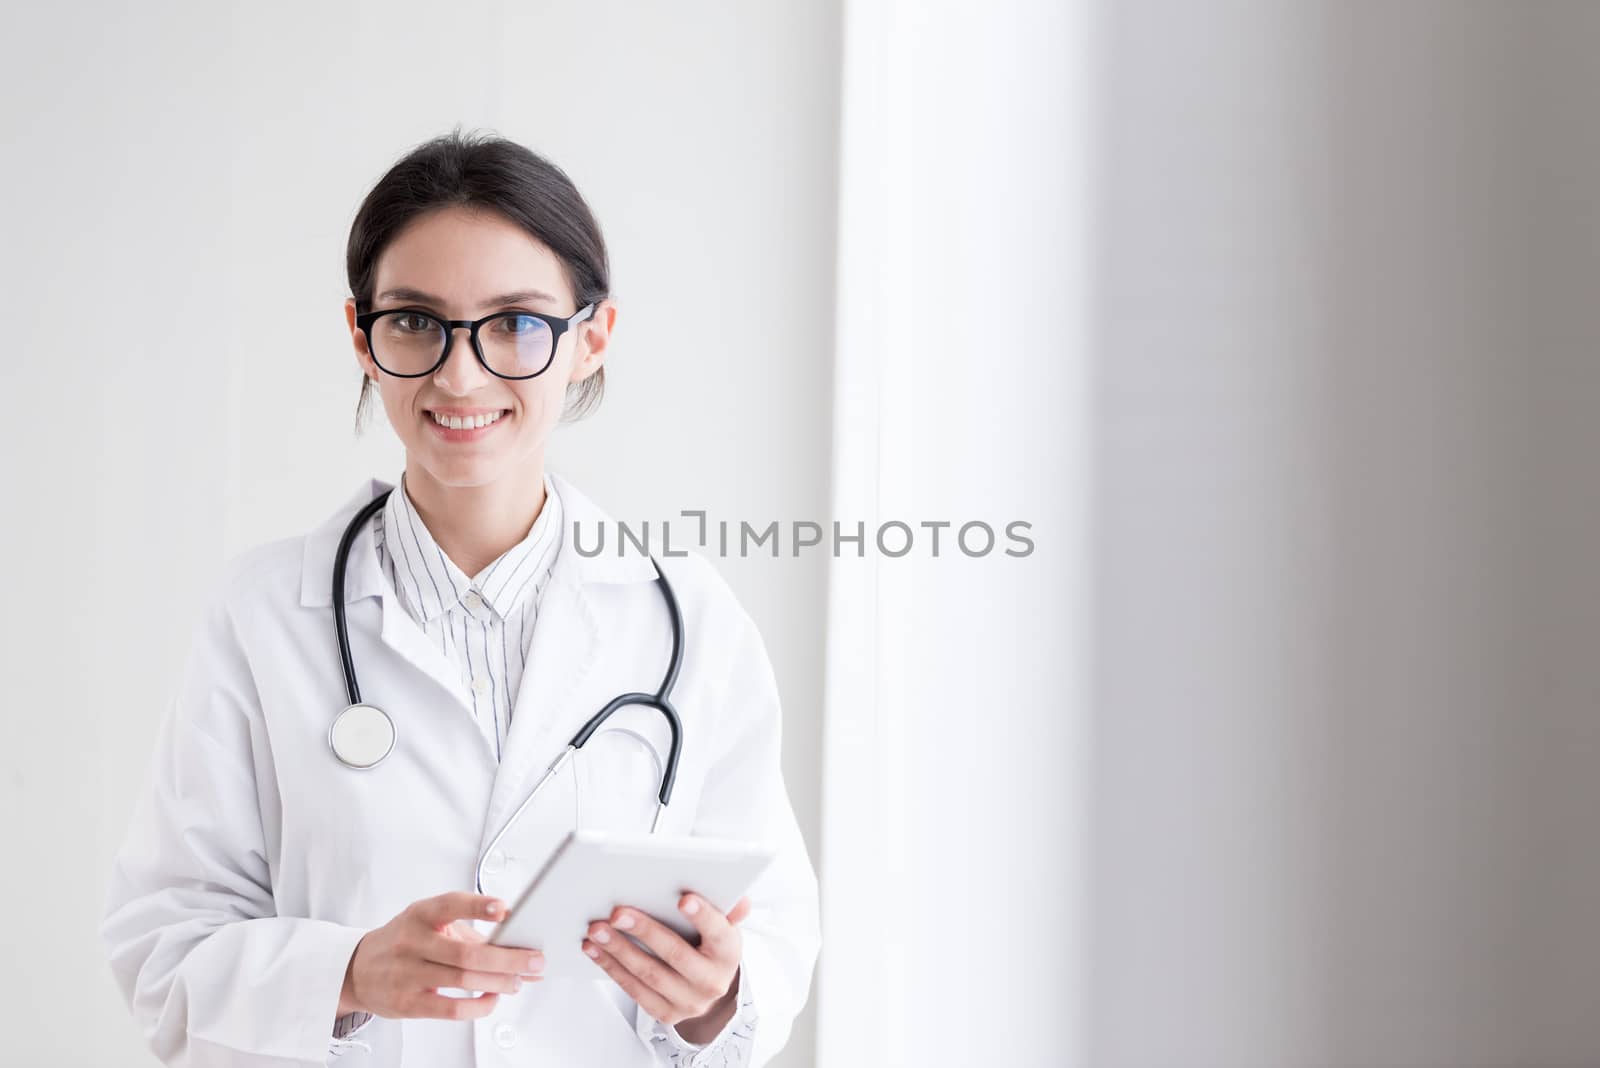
[(1347, 547)]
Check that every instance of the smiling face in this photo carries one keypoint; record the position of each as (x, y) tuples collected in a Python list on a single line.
[(460, 263)]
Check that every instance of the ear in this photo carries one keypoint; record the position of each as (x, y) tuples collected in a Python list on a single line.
[(359, 341), (594, 335)]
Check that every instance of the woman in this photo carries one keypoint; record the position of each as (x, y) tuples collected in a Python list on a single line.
[(274, 906)]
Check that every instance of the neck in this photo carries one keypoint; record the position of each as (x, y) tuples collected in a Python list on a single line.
[(475, 525)]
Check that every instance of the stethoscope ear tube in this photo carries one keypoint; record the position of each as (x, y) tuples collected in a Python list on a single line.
[(340, 558), (660, 700), (663, 699), (669, 774)]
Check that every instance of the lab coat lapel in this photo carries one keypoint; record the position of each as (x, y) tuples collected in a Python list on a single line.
[(364, 578), (560, 686), (563, 652), (402, 634)]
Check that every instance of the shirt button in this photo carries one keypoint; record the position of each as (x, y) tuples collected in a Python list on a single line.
[(480, 686), (495, 861), (472, 599), (505, 1036)]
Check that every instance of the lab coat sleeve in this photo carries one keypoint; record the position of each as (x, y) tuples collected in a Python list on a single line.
[(744, 797), (213, 976)]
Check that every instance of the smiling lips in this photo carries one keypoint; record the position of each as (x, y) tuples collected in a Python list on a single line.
[(466, 418)]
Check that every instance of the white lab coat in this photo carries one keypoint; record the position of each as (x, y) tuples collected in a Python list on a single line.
[(255, 861)]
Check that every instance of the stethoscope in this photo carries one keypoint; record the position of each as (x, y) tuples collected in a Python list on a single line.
[(363, 735)]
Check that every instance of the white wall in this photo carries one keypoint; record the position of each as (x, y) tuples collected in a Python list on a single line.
[(1348, 536), (1339, 489), (178, 186)]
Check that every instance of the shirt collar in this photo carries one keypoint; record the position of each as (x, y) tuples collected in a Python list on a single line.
[(365, 577), (501, 587)]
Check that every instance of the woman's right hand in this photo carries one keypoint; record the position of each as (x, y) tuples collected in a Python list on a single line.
[(397, 969)]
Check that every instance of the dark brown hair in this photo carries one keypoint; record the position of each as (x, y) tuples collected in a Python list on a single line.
[(480, 170)]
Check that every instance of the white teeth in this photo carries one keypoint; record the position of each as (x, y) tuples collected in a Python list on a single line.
[(455, 422)]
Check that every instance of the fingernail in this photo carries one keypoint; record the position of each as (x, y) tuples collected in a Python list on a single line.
[(602, 936), (536, 963), (591, 951), (493, 908), (625, 922), (516, 984), (692, 906)]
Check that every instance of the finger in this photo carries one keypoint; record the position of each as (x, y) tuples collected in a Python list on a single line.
[(438, 912), (720, 940), (481, 956), (440, 1007), (657, 974), (663, 941), (740, 910), (433, 976), (464, 931), (647, 997)]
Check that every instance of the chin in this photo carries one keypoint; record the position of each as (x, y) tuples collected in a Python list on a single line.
[(463, 471)]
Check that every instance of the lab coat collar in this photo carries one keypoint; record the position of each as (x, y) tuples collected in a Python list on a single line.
[(364, 578)]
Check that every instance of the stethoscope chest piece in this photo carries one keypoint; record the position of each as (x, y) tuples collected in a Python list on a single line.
[(361, 736)]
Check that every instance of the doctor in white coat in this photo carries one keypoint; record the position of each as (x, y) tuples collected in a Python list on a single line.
[(273, 907)]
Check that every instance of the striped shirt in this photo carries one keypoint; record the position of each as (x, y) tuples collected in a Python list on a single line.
[(483, 624)]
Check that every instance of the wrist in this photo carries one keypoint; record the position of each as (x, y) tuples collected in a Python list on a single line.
[(348, 1002), (703, 1028)]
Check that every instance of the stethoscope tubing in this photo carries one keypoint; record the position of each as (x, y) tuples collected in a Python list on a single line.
[(340, 558), (661, 700)]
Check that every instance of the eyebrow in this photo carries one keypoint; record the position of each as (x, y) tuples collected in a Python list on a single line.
[(417, 296)]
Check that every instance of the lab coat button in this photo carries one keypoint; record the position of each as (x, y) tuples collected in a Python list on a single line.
[(505, 1036), (495, 861)]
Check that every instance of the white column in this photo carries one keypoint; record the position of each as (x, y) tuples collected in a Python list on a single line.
[(954, 763)]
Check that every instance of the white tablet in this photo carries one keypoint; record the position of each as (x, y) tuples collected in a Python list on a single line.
[(591, 872)]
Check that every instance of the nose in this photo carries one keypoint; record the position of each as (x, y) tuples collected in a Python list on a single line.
[(461, 373)]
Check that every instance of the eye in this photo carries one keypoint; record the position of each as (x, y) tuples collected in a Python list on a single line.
[(519, 324), (412, 323)]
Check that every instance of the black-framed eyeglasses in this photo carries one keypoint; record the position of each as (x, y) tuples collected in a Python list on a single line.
[(409, 343)]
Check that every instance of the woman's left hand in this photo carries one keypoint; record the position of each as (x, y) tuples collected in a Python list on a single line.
[(688, 987)]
